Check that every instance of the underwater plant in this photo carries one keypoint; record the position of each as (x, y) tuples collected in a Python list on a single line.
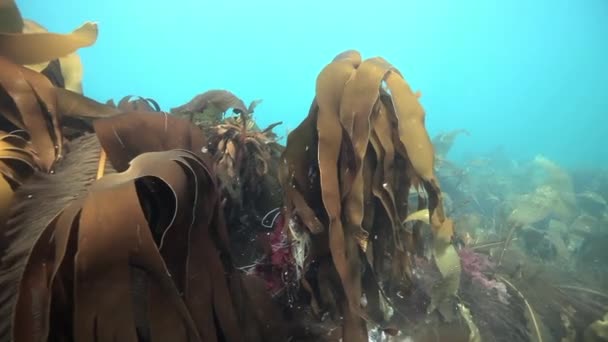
[(26, 42), (148, 237), (42, 115), (346, 176), (16, 165), (132, 103), (248, 157), (209, 108)]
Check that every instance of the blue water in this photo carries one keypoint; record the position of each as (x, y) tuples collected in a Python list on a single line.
[(530, 76)]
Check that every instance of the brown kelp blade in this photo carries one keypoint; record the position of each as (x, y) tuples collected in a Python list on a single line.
[(34, 48), (108, 243), (352, 164), (112, 203), (132, 103), (73, 104), (28, 101), (128, 135), (16, 163), (70, 66), (220, 100)]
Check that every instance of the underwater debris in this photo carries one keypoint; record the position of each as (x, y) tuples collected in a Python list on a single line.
[(340, 181)]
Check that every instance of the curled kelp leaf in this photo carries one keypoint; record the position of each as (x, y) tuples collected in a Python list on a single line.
[(340, 180), (17, 163), (122, 136), (161, 218), (136, 255), (30, 102), (213, 100), (132, 103)]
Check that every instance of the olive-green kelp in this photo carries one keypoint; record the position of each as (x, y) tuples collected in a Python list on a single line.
[(149, 239), (348, 170)]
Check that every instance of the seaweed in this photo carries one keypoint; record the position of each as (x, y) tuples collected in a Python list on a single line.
[(216, 100), (16, 165), (164, 196), (346, 175), (132, 103), (28, 101), (39, 46)]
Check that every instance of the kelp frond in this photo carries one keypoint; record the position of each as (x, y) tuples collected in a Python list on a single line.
[(346, 175), (17, 163), (150, 239), (132, 103)]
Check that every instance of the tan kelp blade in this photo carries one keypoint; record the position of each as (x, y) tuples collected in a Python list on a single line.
[(34, 48), (371, 145), (70, 65)]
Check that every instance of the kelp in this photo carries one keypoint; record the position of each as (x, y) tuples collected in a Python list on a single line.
[(41, 82), (244, 154), (70, 68), (132, 103), (28, 43), (217, 101), (149, 239), (29, 102), (247, 161), (62, 66), (16, 165), (347, 172)]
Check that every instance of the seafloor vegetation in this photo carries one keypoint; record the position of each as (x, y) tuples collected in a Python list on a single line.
[(122, 222)]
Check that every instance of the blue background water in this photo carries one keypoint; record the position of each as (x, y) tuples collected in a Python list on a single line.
[(531, 76)]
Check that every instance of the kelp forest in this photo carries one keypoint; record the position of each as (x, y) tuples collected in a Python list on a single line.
[(123, 222)]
